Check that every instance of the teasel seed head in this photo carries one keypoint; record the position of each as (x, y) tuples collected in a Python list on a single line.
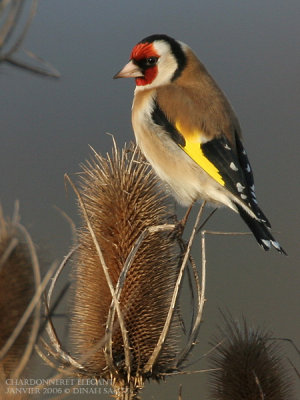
[(122, 198), (248, 365)]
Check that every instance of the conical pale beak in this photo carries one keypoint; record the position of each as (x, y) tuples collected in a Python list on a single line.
[(130, 70)]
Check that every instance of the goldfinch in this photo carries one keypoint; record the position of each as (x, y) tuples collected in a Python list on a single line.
[(189, 133)]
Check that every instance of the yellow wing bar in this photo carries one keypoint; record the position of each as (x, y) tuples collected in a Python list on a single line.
[(193, 149)]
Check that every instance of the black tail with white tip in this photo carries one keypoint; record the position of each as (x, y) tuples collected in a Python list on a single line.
[(260, 231)]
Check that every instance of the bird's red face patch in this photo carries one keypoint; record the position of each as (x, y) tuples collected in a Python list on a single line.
[(143, 50), (140, 53)]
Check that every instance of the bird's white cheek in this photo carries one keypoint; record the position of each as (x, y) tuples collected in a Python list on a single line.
[(166, 71)]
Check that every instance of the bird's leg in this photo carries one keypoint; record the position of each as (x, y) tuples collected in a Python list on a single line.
[(183, 221), (181, 224), (206, 219)]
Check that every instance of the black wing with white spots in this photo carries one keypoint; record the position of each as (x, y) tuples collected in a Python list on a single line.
[(246, 167), (237, 174), (235, 170)]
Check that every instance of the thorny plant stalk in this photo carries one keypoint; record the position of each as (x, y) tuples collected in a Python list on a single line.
[(164, 332), (200, 296), (50, 329), (10, 248)]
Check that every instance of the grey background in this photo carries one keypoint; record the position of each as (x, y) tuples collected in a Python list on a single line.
[(252, 50)]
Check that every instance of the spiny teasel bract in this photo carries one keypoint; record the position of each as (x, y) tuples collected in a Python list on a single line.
[(16, 291), (122, 197), (248, 363)]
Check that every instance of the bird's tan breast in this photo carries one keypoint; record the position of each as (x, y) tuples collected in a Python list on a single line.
[(153, 142)]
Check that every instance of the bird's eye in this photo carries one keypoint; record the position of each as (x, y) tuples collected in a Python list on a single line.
[(150, 61)]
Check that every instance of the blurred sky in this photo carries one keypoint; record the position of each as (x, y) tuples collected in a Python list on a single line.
[(252, 50)]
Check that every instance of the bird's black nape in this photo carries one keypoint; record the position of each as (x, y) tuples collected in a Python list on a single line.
[(175, 48)]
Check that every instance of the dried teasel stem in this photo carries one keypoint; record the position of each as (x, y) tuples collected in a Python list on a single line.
[(18, 43), (164, 332), (50, 328), (200, 290), (10, 21), (10, 248), (12, 12)]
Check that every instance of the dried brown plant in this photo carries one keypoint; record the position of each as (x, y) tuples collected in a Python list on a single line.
[(19, 275), (248, 365), (122, 199), (128, 266)]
